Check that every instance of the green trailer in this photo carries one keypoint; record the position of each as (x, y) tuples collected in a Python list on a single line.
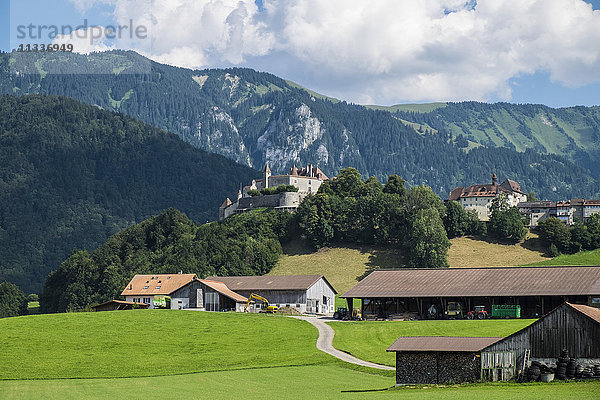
[(506, 311)]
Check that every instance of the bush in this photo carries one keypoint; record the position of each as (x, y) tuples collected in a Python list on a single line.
[(253, 192), (12, 300), (33, 297)]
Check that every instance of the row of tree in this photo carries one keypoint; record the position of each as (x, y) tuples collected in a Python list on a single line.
[(570, 239)]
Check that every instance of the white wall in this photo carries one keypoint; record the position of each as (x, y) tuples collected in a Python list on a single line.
[(141, 299), (180, 303), (316, 293)]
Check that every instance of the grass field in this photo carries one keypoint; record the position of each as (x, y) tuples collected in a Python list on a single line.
[(190, 354), (369, 339), (149, 343), (307, 382), (582, 258)]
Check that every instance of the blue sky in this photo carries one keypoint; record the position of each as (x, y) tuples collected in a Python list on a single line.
[(386, 82)]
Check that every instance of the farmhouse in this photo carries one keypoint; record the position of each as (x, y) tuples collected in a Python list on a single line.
[(431, 360), (184, 291), (386, 294), (479, 197), (306, 293)]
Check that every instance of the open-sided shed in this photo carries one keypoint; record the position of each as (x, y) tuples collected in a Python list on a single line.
[(536, 289)]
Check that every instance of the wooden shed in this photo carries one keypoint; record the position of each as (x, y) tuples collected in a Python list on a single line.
[(436, 360)]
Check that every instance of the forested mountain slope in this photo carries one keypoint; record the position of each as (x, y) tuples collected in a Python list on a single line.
[(254, 117), (573, 132), (71, 175)]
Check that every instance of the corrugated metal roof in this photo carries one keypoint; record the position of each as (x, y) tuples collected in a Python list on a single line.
[(592, 312), (469, 282), (442, 343), (269, 282), (224, 290), (158, 284)]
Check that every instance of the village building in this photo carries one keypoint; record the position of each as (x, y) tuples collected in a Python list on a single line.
[(536, 290), (479, 197), (305, 293), (566, 211), (183, 291), (573, 328), (306, 180)]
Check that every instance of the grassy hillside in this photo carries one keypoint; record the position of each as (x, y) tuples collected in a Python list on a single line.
[(369, 339), (341, 265), (417, 108), (582, 258), (472, 252), (150, 343), (344, 266)]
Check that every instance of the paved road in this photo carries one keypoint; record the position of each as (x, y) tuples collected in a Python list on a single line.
[(325, 344)]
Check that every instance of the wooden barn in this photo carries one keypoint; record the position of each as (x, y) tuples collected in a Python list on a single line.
[(537, 290), (305, 293), (433, 360), (573, 327)]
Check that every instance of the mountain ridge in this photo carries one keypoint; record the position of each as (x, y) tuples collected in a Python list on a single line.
[(255, 117)]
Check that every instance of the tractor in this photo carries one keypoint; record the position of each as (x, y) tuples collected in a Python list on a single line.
[(454, 310), (478, 313), (343, 314)]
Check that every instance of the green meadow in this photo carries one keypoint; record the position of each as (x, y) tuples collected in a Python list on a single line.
[(144, 354), (149, 343), (369, 339)]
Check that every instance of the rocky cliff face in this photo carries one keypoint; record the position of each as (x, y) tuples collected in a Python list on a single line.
[(254, 118)]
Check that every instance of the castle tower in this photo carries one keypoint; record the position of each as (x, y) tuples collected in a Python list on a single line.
[(494, 180), (294, 170), (266, 175)]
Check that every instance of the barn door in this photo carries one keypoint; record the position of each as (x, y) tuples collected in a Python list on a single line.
[(199, 298)]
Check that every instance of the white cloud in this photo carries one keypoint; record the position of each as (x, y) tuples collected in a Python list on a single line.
[(379, 51)]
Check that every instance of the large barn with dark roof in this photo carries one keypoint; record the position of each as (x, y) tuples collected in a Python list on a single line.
[(389, 294)]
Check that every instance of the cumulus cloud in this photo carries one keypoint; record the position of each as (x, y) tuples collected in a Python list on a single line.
[(383, 51)]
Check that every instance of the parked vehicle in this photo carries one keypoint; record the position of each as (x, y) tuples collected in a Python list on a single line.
[(267, 308), (343, 314), (478, 312), (454, 310), (161, 302), (506, 311)]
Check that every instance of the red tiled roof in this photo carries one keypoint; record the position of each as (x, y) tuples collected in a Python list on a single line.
[(224, 290), (157, 284), (442, 343), (592, 312)]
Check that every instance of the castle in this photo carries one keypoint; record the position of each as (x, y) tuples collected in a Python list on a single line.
[(306, 180)]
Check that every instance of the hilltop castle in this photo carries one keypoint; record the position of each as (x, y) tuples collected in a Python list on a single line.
[(306, 180)]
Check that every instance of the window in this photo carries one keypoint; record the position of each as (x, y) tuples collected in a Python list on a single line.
[(146, 287), (147, 300), (158, 287)]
